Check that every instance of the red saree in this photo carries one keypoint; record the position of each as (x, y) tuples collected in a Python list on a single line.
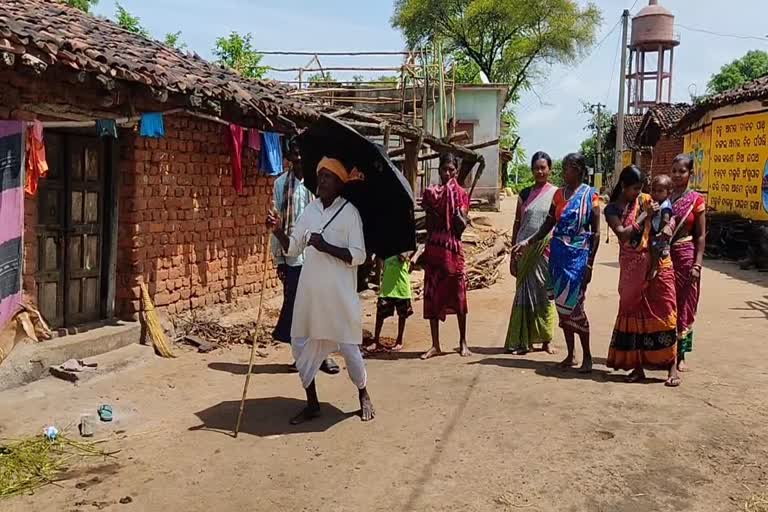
[(645, 334), (445, 285)]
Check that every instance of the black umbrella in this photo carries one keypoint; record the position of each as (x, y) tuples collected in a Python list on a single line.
[(384, 197)]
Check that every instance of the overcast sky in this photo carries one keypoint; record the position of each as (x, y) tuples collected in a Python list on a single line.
[(550, 122)]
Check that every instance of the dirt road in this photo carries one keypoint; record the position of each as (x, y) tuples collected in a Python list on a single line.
[(492, 432)]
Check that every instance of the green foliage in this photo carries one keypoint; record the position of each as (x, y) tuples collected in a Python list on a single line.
[(509, 40), (322, 78), (467, 70), (129, 22), (522, 171), (83, 5), (510, 126), (173, 39), (749, 67), (236, 52)]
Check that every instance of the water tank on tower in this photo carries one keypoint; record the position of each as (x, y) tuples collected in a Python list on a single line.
[(652, 46)]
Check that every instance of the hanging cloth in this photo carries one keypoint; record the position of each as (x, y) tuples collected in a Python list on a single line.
[(106, 128), (271, 159), (11, 218), (236, 138), (254, 140), (151, 125), (37, 166)]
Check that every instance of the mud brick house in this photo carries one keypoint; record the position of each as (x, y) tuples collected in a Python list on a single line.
[(114, 213), (656, 133)]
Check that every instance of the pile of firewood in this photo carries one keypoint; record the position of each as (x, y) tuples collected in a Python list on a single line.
[(214, 332), (486, 250)]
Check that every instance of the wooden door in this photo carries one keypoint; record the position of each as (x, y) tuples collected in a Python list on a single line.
[(70, 231)]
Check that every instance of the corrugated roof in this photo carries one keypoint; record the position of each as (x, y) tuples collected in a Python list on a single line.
[(750, 91), (42, 35)]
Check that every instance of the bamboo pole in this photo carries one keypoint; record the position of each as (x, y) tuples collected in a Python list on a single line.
[(255, 334), (453, 101), (329, 54), (323, 70)]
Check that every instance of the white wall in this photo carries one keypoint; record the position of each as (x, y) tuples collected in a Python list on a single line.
[(482, 107)]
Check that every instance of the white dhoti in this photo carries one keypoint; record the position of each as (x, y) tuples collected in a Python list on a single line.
[(309, 355)]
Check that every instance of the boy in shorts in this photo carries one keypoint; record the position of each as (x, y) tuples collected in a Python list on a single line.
[(394, 297)]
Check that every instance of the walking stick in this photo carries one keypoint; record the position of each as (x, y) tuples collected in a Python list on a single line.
[(254, 336)]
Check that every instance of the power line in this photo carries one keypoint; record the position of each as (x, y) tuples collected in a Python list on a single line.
[(525, 108), (613, 69), (720, 34)]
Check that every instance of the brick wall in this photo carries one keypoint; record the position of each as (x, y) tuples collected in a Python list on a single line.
[(182, 228), (665, 151)]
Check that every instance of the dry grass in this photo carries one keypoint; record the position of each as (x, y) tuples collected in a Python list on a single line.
[(27, 464)]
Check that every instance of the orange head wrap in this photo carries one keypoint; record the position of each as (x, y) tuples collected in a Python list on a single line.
[(334, 166)]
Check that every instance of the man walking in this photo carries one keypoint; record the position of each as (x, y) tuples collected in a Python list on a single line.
[(290, 198), (327, 312)]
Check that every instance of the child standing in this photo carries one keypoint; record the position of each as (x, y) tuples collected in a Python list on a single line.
[(394, 297), (662, 223)]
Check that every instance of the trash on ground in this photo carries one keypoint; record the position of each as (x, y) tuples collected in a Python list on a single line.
[(87, 425), (105, 412)]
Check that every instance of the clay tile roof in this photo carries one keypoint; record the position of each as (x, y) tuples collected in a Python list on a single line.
[(750, 91), (667, 115), (659, 120), (44, 34), (631, 126)]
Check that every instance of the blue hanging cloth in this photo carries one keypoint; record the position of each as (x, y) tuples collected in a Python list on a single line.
[(271, 157), (152, 125)]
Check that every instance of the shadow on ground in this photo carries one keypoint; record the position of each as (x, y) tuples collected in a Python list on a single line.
[(258, 369), (265, 417), (552, 370)]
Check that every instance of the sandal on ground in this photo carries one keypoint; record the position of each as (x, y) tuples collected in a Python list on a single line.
[(330, 367), (673, 382)]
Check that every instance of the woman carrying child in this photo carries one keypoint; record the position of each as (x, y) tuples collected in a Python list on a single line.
[(645, 334)]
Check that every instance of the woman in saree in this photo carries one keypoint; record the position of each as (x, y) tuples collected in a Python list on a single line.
[(533, 311), (645, 334), (445, 285), (687, 251), (575, 217)]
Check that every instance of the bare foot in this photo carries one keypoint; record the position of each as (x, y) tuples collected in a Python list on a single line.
[(367, 413), (636, 375), (549, 349), (371, 348), (586, 366), (464, 350), (309, 413), (432, 352), (397, 348), (568, 362), (683, 367)]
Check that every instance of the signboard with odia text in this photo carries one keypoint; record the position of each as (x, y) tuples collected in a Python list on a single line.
[(738, 177), (697, 145)]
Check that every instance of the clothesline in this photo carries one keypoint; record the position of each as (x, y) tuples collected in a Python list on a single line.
[(127, 121)]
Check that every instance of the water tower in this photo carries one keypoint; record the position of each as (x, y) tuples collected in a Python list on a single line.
[(651, 55)]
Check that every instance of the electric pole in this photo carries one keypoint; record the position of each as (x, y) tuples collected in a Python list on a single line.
[(622, 88)]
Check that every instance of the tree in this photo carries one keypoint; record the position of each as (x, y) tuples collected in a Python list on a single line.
[(130, 22), (236, 52), (83, 5), (749, 67), (173, 39), (509, 40)]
